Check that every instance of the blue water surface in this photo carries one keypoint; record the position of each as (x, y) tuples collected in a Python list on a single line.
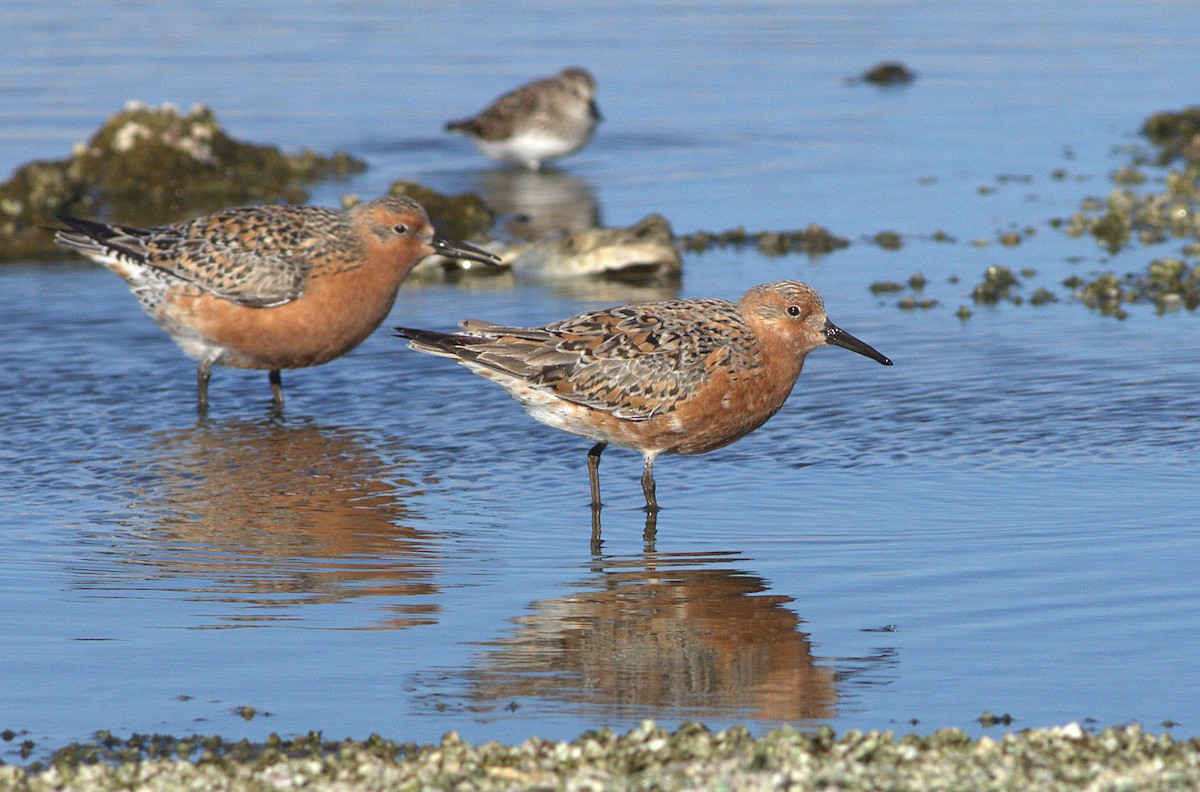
[(1004, 521)]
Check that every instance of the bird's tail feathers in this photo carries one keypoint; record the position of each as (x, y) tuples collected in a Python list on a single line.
[(100, 239)]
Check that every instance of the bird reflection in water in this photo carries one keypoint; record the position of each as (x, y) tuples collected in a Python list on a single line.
[(278, 516), (545, 208), (618, 290), (662, 635), (596, 288), (534, 204)]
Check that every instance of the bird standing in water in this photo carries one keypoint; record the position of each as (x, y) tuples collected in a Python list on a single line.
[(673, 377), (544, 119), (269, 287)]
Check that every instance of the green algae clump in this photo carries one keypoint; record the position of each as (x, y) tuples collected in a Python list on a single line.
[(814, 240), (888, 73), (1042, 296), (997, 285), (1127, 218), (147, 166), (1112, 230), (1170, 211), (889, 240), (911, 302), (1176, 135), (1168, 283)]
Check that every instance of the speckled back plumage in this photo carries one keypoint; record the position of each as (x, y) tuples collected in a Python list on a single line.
[(675, 377), (257, 256), (269, 287), (541, 120), (540, 103), (635, 361)]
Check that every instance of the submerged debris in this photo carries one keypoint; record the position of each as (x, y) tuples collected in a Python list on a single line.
[(648, 757), (889, 240), (1041, 296), (997, 285), (1152, 217), (910, 302), (813, 240), (148, 166), (888, 73), (1175, 135), (1169, 283), (1104, 293), (913, 303), (1128, 175), (1127, 217)]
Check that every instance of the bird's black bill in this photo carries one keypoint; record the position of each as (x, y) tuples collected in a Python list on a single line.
[(839, 337), (461, 250)]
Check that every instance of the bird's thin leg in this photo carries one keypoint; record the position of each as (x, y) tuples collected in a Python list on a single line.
[(650, 531), (594, 472), (276, 388), (597, 539), (648, 484), (203, 372)]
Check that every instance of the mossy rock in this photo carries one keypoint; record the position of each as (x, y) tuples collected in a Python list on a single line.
[(148, 166), (889, 240), (463, 217), (997, 285), (1168, 283), (1176, 135), (889, 73), (814, 241), (28, 201)]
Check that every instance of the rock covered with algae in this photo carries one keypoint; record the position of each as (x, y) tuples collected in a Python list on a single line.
[(147, 166), (1134, 214), (648, 757), (888, 73), (813, 241), (463, 216), (1175, 134)]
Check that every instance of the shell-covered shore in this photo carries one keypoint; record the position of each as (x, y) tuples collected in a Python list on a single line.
[(648, 757)]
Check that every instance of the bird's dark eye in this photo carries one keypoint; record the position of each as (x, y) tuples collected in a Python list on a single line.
[(400, 229), (793, 310)]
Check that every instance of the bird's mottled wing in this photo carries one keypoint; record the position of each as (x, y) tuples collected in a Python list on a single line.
[(501, 118), (634, 362), (254, 256)]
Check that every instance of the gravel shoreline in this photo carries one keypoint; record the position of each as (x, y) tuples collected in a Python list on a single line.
[(648, 757)]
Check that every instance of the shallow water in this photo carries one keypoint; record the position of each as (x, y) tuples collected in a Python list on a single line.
[(1004, 520)]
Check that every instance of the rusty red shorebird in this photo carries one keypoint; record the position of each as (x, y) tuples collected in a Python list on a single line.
[(269, 287), (673, 377)]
